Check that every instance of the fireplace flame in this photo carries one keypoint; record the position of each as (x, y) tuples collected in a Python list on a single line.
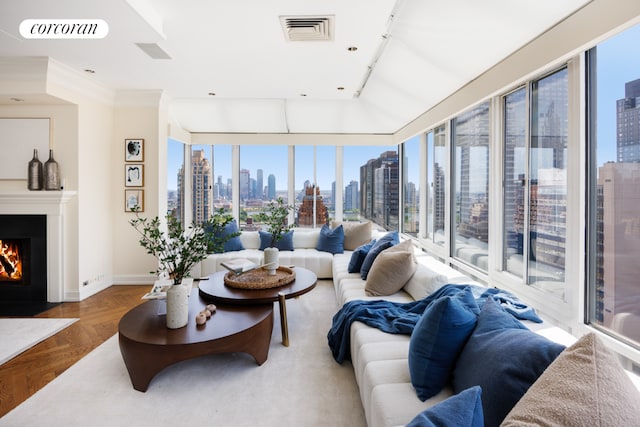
[(10, 261)]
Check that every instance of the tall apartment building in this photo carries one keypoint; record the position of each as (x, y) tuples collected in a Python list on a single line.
[(202, 180), (201, 176), (380, 185), (628, 123), (245, 189), (271, 187), (259, 185), (308, 207), (351, 197)]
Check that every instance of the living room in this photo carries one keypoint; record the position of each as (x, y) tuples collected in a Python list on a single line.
[(90, 119)]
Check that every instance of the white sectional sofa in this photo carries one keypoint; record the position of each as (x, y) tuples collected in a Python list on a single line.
[(304, 254), (379, 359)]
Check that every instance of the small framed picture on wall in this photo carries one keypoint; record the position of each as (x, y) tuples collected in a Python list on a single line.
[(134, 200), (133, 175), (134, 150)]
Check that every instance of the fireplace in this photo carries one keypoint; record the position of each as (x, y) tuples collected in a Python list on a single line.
[(23, 259)]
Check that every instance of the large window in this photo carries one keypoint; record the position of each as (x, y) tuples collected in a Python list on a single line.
[(470, 138), (175, 179), (263, 177), (535, 182), (614, 190), (411, 183), (375, 170), (437, 150), (314, 185)]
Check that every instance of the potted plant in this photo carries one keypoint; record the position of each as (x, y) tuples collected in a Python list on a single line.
[(220, 227), (275, 217), (178, 251)]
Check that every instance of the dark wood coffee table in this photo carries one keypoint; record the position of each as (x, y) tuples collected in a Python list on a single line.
[(148, 346), (215, 290)]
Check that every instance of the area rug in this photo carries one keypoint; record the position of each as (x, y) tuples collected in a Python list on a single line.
[(19, 335), (297, 385)]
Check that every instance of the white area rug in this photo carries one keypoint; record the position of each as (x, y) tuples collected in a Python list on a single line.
[(299, 385), (18, 335)]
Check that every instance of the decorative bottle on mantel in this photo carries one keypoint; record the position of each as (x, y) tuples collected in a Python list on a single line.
[(35, 172), (51, 174)]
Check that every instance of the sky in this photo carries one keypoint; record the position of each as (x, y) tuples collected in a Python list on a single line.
[(618, 63)]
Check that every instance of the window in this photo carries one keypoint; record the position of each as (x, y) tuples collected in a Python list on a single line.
[(470, 139), (222, 178), (437, 149), (614, 186), (411, 185), (175, 179), (375, 170), (263, 177), (314, 185)]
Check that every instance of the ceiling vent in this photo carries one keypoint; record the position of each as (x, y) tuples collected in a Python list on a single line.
[(153, 50), (308, 28)]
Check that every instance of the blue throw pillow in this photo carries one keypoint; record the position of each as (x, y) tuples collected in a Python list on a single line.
[(381, 244), (462, 409), (437, 340), (358, 256), (331, 241), (504, 358), (284, 244), (234, 243)]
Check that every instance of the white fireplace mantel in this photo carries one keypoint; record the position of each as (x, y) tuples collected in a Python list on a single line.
[(51, 204)]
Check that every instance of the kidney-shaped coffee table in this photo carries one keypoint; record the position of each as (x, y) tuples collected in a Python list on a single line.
[(148, 346), (215, 290)]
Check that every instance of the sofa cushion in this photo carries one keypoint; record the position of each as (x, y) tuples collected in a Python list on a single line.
[(504, 358), (355, 233), (384, 242), (391, 270), (284, 244), (424, 281), (437, 340), (462, 409), (585, 385), (331, 240), (305, 238), (358, 256)]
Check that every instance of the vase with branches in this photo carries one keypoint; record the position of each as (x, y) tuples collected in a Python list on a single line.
[(275, 217)]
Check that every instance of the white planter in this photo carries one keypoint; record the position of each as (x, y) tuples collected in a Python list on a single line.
[(271, 257), (177, 306)]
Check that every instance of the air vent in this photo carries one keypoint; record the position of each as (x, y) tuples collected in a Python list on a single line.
[(153, 50), (307, 28)]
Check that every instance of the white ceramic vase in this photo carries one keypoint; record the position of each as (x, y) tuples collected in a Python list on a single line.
[(271, 257), (177, 306)]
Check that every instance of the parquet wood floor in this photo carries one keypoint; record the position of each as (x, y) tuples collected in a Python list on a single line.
[(99, 316)]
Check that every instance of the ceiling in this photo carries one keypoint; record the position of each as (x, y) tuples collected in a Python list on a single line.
[(231, 69)]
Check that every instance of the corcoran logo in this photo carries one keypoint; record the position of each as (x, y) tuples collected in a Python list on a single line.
[(64, 29)]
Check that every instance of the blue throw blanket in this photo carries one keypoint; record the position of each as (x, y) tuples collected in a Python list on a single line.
[(401, 318)]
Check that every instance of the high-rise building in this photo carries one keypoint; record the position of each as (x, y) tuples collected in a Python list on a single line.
[(380, 184), (351, 197), (201, 185), (244, 184), (309, 206), (259, 185), (271, 187), (628, 123)]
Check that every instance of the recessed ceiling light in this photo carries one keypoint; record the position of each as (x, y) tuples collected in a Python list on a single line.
[(340, 88), (352, 48), (14, 99), (89, 70), (303, 94), (211, 94)]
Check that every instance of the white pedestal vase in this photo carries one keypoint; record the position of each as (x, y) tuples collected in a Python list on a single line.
[(271, 257), (177, 306)]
